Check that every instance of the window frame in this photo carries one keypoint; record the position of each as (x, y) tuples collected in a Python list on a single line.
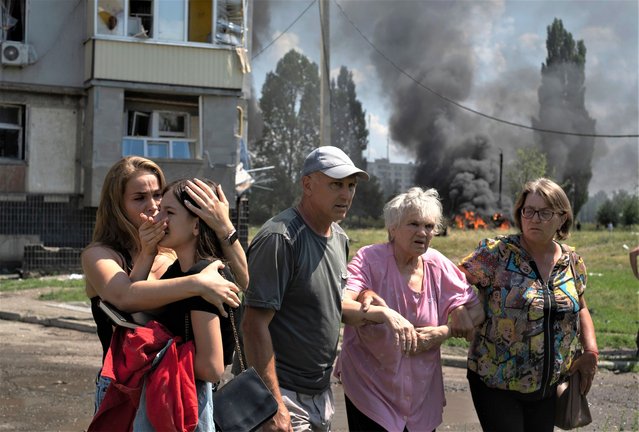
[(20, 127), (24, 5), (156, 121), (171, 147), (185, 34), (172, 139)]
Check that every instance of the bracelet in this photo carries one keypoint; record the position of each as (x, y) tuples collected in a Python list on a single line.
[(231, 237), (592, 351)]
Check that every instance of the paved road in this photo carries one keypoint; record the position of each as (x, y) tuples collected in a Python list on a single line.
[(47, 374)]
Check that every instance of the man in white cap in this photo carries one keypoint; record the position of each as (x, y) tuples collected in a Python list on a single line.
[(297, 267)]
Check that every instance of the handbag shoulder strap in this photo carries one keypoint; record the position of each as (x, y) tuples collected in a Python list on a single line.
[(573, 265), (238, 349)]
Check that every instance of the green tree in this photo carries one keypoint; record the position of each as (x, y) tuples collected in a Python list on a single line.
[(621, 209), (290, 114), (561, 107), (350, 133), (529, 164), (608, 213), (630, 211), (348, 118), (588, 212)]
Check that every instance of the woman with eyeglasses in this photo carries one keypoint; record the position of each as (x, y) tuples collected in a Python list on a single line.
[(525, 346)]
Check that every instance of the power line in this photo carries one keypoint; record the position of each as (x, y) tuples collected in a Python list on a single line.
[(285, 30), (457, 104)]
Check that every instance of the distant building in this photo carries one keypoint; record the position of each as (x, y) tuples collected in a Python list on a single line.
[(393, 177), (83, 83)]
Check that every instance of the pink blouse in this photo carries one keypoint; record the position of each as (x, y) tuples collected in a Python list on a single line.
[(393, 389)]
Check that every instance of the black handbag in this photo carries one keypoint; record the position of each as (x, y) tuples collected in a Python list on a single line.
[(571, 407), (245, 402)]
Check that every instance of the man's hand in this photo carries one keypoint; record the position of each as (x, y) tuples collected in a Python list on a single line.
[(368, 298), (217, 290), (281, 421)]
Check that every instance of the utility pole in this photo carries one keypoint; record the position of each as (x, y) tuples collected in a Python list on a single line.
[(501, 166), (325, 79)]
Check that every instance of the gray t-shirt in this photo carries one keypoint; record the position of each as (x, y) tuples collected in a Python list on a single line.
[(300, 275)]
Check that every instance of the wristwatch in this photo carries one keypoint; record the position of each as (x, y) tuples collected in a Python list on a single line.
[(231, 237)]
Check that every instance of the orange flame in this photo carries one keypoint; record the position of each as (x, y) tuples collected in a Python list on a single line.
[(469, 220), (500, 222)]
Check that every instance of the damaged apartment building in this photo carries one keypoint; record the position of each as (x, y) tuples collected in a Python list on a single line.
[(85, 82)]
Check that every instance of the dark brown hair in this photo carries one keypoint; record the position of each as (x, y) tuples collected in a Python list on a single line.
[(208, 245)]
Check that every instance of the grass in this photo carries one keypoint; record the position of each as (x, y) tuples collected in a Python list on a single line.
[(612, 293)]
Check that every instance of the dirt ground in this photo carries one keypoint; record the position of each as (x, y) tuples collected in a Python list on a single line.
[(47, 374)]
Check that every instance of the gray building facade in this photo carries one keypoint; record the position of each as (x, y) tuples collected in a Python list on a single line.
[(85, 82), (393, 177)]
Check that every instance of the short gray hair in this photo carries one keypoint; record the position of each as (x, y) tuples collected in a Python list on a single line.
[(425, 202)]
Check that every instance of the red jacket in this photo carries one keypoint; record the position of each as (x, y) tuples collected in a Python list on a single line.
[(171, 398)]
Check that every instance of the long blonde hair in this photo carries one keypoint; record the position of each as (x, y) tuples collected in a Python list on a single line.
[(112, 228)]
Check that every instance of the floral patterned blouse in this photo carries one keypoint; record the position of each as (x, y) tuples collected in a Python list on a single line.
[(530, 333)]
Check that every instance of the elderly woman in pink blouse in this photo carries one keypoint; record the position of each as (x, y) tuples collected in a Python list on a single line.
[(390, 364)]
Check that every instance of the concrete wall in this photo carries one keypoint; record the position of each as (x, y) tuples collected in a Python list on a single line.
[(56, 31), (12, 248), (104, 126), (52, 168), (51, 143), (102, 139)]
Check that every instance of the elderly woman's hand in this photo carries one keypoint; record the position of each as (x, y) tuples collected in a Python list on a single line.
[(586, 366), (405, 334), (430, 337)]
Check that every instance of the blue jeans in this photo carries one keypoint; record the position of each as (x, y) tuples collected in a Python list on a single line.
[(205, 423), (101, 385)]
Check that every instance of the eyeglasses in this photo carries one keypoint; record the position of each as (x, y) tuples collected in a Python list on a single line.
[(544, 214)]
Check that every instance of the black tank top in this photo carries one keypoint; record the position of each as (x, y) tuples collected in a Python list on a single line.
[(102, 321), (103, 324)]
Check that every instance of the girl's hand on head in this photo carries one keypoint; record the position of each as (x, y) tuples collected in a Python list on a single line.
[(213, 210), (151, 231)]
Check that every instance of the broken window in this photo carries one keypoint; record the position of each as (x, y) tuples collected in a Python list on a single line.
[(12, 19), (160, 130), (230, 22), (11, 132), (173, 20), (140, 21)]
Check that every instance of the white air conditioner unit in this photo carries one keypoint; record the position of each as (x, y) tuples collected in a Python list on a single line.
[(14, 53)]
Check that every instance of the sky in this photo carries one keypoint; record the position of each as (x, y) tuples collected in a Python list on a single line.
[(485, 55)]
